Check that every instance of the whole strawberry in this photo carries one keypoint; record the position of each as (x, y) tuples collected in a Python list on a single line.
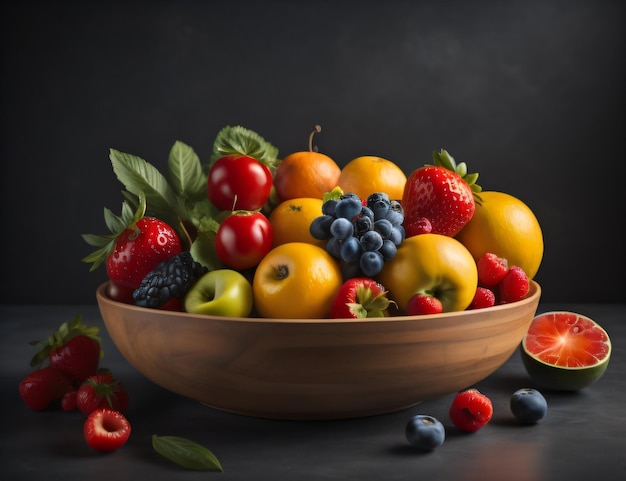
[(135, 246), (442, 195), (43, 386), (101, 391), (360, 297), (73, 349)]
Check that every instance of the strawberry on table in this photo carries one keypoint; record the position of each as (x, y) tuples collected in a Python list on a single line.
[(43, 386), (100, 391), (360, 297), (106, 430), (73, 349), (443, 194)]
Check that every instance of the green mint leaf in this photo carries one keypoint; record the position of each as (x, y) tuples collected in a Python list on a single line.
[(239, 140), (139, 176), (186, 453), (185, 172), (203, 250)]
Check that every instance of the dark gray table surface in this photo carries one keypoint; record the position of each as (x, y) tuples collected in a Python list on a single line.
[(583, 437)]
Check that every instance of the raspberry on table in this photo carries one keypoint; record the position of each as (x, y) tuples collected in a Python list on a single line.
[(470, 410)]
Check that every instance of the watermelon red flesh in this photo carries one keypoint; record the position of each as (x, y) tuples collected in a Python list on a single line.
[(567, 340)]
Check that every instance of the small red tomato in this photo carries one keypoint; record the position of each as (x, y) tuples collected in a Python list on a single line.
[(239, 182), (243, 239)]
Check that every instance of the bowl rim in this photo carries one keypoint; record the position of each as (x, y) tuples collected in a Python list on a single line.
[(534, 292)]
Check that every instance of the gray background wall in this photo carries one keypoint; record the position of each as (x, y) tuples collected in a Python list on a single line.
[(529, 93)]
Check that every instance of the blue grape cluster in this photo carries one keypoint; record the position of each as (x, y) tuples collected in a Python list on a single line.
[(361, 236)]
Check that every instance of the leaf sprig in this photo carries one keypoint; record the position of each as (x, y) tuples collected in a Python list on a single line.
[(178, 197), (186, 453)]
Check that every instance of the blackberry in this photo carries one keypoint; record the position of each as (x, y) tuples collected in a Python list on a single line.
[(172, 278)]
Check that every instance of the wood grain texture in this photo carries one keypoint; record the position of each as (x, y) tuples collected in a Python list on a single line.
[(317, 368)]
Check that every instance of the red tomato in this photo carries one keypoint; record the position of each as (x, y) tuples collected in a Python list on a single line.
[(243, 239), (239, 176)]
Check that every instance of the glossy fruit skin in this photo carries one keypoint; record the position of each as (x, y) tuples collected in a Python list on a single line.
[(43, 386), (368, 174), (78, 358), (291, 221), (565, 351), (425, 432), (101, 391), (305, 174), (528, 405), (491, 269), (514, 286), (431, 264), (483, 298), (106, 430), (221, 292), (360, 297), (296, 281), (243, 239), (422, 304), (439, 195), (138, 250), (504, 225), (239, 182), (470, 410)]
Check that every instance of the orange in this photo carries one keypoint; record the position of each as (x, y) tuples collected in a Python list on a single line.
[(291, 221), (506, 226), (306, 174), (369, 174), (296, 281)]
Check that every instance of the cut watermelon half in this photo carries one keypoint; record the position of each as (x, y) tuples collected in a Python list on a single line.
[(565, 351)]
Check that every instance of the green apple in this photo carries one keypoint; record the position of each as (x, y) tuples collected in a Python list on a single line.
[(222, 292)]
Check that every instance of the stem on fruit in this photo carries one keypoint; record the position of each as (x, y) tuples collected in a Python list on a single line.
[(316, 130), (282, 272)]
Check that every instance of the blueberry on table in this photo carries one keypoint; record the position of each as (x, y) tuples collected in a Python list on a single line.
[(425, 432), (528, 405)]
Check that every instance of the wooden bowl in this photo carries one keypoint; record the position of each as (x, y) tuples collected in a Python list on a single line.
[(317, 368)]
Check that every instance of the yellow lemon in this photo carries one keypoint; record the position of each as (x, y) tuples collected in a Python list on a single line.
[(296, 281), (505, 226)]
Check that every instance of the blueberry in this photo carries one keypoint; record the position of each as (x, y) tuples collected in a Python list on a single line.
[(333, 247), (528, 405), (341, 228), (320, 227), (348, 208), (425, 432), (362, 225), (367, 212), (388, 250), (397, 235), (350, 249), (371, 241), (328, 207), (383, 227), (371, 263)]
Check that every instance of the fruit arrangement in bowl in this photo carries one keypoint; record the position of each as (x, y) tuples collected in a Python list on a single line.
[(293, 288)]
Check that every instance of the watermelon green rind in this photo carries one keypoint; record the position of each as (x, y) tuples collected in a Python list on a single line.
[(560, 378)]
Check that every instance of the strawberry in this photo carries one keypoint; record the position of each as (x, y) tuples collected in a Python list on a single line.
[(483, 297), (100, 391), (514, 286), (68, 401), (136, 245), (73, 349), (444, 194), (422, 304), (43, 386), (360, 297), (470, 410), (491, 269), (106, 430)]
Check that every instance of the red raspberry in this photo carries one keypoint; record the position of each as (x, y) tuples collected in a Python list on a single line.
[(421, 304), (470, 410), (483, 298), (421, 225), (514, 286), (491, 269)]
